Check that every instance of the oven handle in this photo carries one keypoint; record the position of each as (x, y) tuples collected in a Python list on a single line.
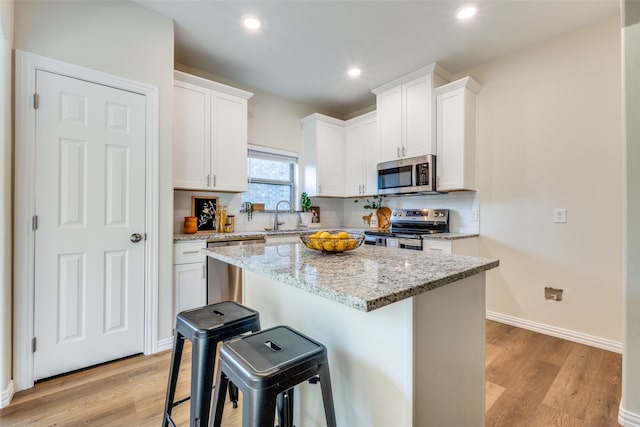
[(415, 244)]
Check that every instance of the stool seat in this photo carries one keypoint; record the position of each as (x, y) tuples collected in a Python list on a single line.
[(205, 327), (265, 366), (218, 321)]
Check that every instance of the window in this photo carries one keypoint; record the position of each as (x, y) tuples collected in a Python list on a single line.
[(271, 177)]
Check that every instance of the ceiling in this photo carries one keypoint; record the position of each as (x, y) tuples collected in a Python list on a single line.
[(304, 48)]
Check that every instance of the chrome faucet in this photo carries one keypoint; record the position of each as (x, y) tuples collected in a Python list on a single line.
[(275, 221)]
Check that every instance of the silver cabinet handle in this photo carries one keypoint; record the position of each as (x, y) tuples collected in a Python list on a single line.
[(190, 252), (398, 151), (135, 237), (404, 151), (208, 180), (214, 180), (204, 271)]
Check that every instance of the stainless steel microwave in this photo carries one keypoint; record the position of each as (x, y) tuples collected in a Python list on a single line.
[(411, 175)]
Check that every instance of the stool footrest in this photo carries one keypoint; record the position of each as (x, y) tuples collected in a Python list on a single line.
[(181, 401)]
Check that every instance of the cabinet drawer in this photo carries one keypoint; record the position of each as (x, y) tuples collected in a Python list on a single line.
[(188, 252), (440, 246)]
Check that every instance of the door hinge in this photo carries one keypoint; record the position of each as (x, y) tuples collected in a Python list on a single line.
[(36, 101), (33, 344), (34, 222)]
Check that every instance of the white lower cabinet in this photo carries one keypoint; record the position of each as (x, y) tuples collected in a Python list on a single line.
[(465, 246), (189, 275)]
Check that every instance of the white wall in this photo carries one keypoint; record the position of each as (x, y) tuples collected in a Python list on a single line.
[(630, 407), (126, 40), (6, 241), (549, 136)]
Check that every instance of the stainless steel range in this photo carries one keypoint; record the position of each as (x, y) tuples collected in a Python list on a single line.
[(408, 226)]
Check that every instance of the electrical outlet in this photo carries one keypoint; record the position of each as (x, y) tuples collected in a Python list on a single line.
[(553, 294), (474, 215), (560, 215)]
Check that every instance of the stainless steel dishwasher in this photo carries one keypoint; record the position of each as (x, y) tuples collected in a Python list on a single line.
[(224, 281)]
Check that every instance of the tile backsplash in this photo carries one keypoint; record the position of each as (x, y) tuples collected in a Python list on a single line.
[(463, 210)]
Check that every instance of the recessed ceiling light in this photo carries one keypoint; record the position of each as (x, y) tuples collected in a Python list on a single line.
[(466, 12), (251, 22), (354, 72)]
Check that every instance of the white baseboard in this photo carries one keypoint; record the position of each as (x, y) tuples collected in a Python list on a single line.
[(165, 344), (628, 419), (566, 334), (7, 395)]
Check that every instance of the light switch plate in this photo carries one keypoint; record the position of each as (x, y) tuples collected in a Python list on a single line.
[(560, 216)]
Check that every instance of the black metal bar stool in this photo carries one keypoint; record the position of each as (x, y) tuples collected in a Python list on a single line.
[(266, 366), (205, 327)]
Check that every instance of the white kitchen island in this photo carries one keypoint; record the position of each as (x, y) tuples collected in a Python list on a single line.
[(404, 329)]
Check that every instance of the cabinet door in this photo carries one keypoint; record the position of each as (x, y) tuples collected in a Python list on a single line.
[(456, 159), (418, 117), (389, 106), (330, 151), (191, 136), (354, 155), (190, 282), (370, 158), (228, 142)]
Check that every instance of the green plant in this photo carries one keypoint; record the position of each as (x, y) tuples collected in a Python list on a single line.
[(248, 208), (305, 202), (375, 204)]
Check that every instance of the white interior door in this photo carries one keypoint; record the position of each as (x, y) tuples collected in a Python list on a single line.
[(90, 203)]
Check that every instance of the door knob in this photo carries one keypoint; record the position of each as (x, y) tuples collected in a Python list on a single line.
[(135, 237)]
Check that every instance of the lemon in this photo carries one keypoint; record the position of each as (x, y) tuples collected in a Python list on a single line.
[(342, 235), (325, 235), (341, 245), (317, 244), (351, 243), (328, 245)]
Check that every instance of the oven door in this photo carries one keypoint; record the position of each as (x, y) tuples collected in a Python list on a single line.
[(413, 244)]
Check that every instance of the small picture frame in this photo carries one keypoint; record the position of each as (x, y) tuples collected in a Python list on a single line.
[(204, 208), (315, 210)]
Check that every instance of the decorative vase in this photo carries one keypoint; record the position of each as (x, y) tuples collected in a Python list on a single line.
[(373, 221), (190, 225), (306, 218)]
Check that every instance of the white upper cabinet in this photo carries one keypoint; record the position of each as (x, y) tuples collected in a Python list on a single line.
[(456, 135), (209, 135), (405, 109), (323, 167), (361, 136)]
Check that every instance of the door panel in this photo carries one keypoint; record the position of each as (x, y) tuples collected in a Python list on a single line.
[(89, 198)]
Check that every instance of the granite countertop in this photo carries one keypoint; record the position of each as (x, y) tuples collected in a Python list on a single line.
[(366, 278), (241, 235), (237, 235), (448, 236)]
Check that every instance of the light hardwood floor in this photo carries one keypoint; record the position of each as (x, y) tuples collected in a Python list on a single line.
[(532, 380)]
